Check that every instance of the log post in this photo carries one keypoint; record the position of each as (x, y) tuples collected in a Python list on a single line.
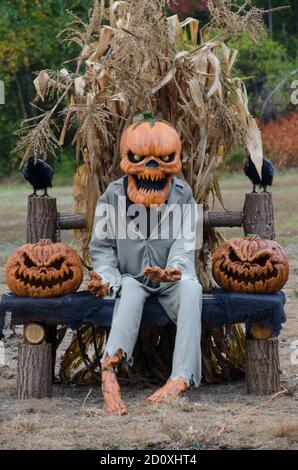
[(36, 362), (262, 366), (41, 219), (34, 374), (258, 216), (262, 351)]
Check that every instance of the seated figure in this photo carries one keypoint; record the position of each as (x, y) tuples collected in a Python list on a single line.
[(138, 250)]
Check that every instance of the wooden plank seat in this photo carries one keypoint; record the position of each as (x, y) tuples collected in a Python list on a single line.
[(36, 361), (80, 308)]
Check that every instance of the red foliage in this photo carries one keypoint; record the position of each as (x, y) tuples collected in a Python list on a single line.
[(280, 139), (187, 6)]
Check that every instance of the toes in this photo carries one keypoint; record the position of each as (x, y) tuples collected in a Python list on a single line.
[(116, 408), (156, 397)]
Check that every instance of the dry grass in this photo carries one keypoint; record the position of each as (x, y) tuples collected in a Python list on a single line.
[(286, 429)]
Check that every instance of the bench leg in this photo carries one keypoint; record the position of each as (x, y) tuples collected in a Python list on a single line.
[(34, 374), (51, 338), (262, 366)]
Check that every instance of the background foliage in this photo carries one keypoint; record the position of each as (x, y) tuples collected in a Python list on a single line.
[(28, 43)]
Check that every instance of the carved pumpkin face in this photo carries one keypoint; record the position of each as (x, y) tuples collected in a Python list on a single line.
[(44, 269), (150, 156), (250, 265)]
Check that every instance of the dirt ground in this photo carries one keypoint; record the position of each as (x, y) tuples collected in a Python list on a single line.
[(212, 417)]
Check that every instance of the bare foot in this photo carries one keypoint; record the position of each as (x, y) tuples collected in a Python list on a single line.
[(111, 394), (171, 389)]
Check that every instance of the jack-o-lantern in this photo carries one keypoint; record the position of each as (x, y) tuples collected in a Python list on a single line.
[(44, 269), (150, 155), (250, 265)]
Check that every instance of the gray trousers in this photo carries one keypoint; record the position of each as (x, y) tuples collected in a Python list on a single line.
[(182, 302)]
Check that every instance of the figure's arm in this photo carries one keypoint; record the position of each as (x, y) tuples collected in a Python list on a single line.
[(103, 249)]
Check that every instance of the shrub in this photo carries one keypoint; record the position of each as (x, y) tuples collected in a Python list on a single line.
[(280, 140)]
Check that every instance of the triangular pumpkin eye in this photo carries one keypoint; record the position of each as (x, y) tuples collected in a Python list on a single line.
[(233, 256), (28, 261), (57, 264), (262, 260)]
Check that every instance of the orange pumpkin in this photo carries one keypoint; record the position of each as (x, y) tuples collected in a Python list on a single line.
[(44, 269), (150, 156), (250, 265)]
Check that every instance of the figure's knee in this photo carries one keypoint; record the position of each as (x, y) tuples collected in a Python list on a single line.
[(192, 287), (132, 292), (129, 283)]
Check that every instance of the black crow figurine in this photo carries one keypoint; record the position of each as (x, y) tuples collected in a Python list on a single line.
[(267, 174), (39, 174)]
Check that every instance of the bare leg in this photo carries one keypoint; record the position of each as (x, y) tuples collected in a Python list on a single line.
[(122, 338), (110, 387), (172, 389), (183, 303)]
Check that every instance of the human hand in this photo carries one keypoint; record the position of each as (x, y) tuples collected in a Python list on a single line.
[(155, 273), (95, 285)]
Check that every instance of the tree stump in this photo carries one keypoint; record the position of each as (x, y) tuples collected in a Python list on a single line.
[(34, 374), (258, 331), (258, 217), (262, 366), (41, 219), (34, 333)]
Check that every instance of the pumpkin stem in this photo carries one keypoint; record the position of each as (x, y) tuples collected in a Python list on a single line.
[(43, 242), (147, 116), (252, 236)]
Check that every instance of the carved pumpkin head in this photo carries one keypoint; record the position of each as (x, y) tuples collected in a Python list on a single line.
[(250, 265), (150, 156), (44, 269)]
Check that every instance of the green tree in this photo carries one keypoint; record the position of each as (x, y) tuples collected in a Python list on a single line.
[(29, 43)]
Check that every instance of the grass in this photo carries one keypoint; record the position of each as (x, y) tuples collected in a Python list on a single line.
[(285, 196), (13, 209)]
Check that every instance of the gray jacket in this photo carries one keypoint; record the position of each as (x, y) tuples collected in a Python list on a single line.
[(114, 256)]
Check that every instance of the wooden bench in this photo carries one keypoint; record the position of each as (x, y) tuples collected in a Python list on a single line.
[(81, 308), (43, 220)]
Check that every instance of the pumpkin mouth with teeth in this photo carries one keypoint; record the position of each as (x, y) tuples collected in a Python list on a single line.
[(44, 269), (250, 265), (150, 157)]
